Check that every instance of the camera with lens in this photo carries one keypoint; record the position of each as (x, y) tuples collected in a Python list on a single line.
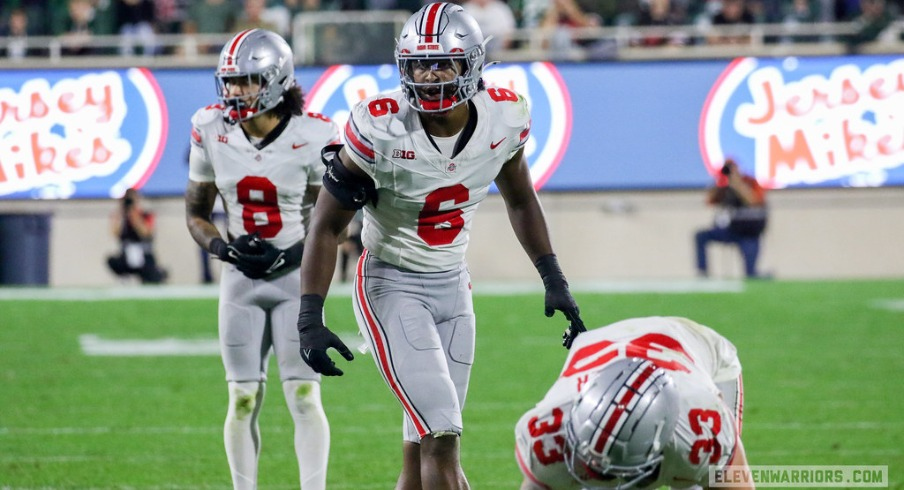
[(726, 170)]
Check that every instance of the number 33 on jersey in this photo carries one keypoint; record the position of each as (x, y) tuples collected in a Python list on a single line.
[(694, 356)]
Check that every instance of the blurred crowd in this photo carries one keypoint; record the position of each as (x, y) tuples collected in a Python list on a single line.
[(140, 22)]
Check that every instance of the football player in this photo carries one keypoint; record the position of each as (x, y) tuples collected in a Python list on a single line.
[(260, 153), (419, 161), (641, 403)]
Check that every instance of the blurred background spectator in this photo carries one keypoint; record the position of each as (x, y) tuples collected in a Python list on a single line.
[(496, 19), (663, 13), (78, 32), (35, 12), (253, 16), (875, 16), (740, 218), (135, 21), (799, 12), (169, 15), (134, 227), (732, 13), (565, 29), (559, 22), (210, 17), (16, 31)]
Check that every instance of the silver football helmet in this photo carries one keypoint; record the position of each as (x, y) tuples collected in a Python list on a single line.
[(620, 424), (260, 57), (436, 36)]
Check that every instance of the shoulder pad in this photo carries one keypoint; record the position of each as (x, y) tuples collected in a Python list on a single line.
[(515, 113), (207, 115), (382, 116), (319, 127)]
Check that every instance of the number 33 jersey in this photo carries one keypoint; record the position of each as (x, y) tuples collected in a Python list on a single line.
[(427, 197), (262, 188), (696, 357)]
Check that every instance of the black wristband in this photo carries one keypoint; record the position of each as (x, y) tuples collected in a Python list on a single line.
[(219, 248), (550, 272), (311, 302), (311, 309)]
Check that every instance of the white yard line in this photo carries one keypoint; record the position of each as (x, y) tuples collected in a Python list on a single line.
[(489, 288), (889, 304), (215, 429), (94, 345)]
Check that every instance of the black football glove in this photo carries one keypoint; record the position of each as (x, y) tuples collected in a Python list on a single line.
[(558, 297), (266, 261), (314, 338), (252, 256), (220, 248)]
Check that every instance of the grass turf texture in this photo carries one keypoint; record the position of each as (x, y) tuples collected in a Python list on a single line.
[(822, 376)]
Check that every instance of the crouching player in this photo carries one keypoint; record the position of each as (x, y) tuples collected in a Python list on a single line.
[(641, 403)]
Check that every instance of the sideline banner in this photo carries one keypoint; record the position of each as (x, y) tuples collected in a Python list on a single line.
[(791, 122)]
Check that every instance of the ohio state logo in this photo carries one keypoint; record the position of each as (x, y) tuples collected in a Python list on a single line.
[(342, 86), (799, 122), (64, 137)]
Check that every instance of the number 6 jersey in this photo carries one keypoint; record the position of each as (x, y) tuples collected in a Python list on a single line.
[(262, 185), (706, 371), (426, 196)]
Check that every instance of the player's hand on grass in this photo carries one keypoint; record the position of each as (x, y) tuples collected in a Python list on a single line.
[(315, 338)]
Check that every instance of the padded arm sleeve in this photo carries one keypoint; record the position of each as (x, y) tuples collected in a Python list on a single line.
[(352, 191)]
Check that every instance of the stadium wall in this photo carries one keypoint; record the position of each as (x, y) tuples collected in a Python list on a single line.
[(611, 144), (812, 234)]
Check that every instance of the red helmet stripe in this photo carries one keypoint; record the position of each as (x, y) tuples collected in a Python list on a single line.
[(234, 45), (618, 413), (431, 22)]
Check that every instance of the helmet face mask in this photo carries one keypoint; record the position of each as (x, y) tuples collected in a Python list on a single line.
[(244, 103), (620, 425), (259, 59), (440, 54), (612, 476)]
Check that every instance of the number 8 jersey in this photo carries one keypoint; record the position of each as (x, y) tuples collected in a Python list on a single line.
[(705, 369), (429, 187), (263, 184)]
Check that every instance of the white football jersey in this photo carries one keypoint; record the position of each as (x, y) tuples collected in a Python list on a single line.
[(694, 355), (426, 199), (262, 188)]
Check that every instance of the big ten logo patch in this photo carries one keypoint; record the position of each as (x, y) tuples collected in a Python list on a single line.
[(799, 122), (67, 136), (342, 86)]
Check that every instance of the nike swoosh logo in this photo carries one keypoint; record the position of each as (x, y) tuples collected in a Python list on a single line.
[(295, 147), (494, 145), (276, 265)]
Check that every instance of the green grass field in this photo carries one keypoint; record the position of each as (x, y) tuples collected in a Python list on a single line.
[(823, 368)]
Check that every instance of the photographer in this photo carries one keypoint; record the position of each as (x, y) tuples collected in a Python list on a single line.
[(134, 227), (740, 219)]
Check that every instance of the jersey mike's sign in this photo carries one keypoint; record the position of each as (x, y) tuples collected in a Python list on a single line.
[(78, 133), (796, 122), (341, 86)]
